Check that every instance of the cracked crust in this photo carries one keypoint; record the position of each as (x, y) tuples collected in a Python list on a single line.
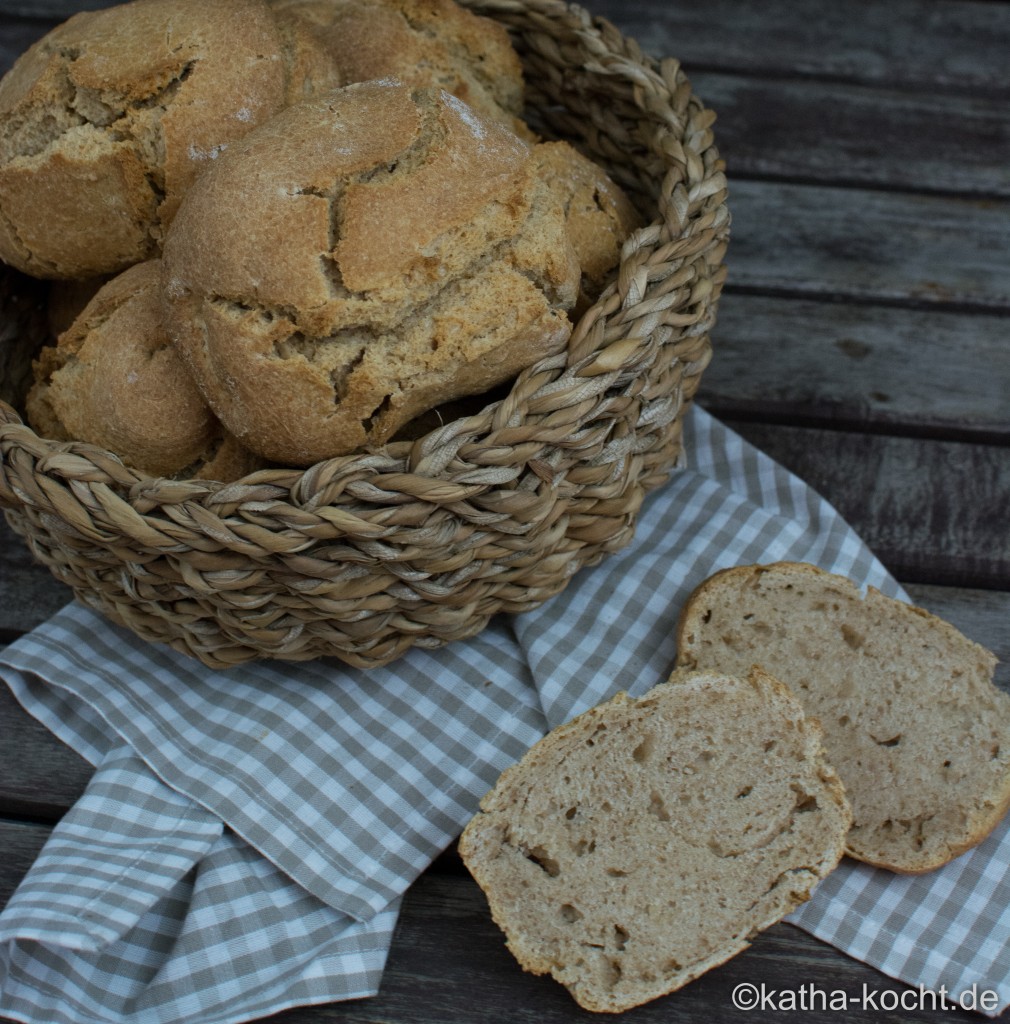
[(327, 283), (107, 120), (114, 380), (913, 723), (422, 42), (648, 840)]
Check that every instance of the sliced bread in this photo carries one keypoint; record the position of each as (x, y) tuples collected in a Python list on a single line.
[(912, 721), (647, 840)]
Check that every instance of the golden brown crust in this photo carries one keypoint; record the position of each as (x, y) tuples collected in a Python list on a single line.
[(326, 282), (114, 380), (423, 42), (107, 120), (598, 214), (870, 666)]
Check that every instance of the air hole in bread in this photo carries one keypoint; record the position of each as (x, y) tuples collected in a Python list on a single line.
[(617, 873), (584, 846), (571, 812), (621, 937), (657, 808), (805, 802), (892, 742), (852, 637), (570, 914), (644, 750), (746, 791), (539, 856)]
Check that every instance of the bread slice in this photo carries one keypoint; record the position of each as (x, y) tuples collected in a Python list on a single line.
[(912, 721), (647, 840)]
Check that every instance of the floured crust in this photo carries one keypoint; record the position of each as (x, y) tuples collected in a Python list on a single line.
[(913, 723), (326, 282), (648, 840), (114, 381), (422, 42), (107, 120)]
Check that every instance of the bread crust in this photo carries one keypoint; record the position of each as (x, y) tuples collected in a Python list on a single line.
[(636, 840), (915, 807), (114, 380), (422, 42), (108, 119), (326, 282)]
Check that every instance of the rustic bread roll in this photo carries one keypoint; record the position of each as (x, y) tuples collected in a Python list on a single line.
[(598, 214), (422, 42), (912, 721), (648, 840), (106, 121), (327, 282), (114, 380)]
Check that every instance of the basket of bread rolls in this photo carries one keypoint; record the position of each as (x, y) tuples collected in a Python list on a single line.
[(333, 327)]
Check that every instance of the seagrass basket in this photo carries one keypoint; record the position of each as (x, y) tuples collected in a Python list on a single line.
[(421, 542)]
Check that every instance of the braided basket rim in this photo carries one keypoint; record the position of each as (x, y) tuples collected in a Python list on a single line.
[(482, 473)]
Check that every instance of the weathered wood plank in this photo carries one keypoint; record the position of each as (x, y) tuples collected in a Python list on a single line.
[(860, 366), (957, 46), (21, 842), (40, 776), (869, 245), (29, 593), (839, 133), (933, 511)]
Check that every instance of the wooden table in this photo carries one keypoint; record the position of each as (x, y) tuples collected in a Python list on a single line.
[(863, 341)]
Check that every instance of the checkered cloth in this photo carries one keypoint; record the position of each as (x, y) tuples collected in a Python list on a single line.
[(247, 835)]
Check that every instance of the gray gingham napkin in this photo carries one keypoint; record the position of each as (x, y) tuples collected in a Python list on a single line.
[(246, 837)]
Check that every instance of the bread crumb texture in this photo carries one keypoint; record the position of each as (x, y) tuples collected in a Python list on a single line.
[(913, 723), (648, 840), (326, 282)]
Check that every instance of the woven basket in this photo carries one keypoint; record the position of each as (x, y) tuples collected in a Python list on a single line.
[(421, 542)]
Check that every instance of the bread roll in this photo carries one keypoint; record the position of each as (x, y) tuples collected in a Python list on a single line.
[(114, 380), (648, 840), (327, 282), (422, 42), (912, 721), (107, 120), (598, 214)]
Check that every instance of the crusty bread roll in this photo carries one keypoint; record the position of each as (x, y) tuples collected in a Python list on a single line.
[(648, 840), (598, 214), (114, 380), (106, 121), (422, 42), (913, 723), (327, 282)]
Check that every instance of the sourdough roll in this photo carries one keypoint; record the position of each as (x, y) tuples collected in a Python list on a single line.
[(648, 840), (598, 214), (327, 282), (107, 120), (423, 42), (114, 381), (919, 733)]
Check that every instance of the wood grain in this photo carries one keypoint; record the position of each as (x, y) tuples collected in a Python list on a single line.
[(932, 511), (869, 245), (861, 367), (841, 134)]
